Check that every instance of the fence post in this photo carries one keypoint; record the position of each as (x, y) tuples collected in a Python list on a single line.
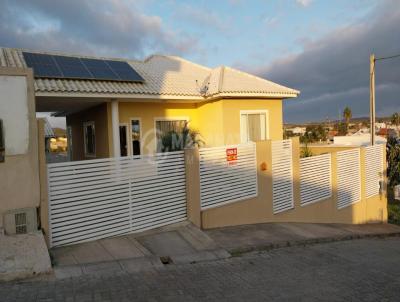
[(363, 174), (296, 171), (192, 167), (44, 198), (334, 183)]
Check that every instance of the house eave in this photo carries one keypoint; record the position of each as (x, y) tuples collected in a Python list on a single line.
[(165, 97)]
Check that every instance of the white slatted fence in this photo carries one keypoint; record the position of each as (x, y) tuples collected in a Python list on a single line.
[(282, 176), (315, 178), (94, 199), (223, 181), (373, 169), (348, 177)]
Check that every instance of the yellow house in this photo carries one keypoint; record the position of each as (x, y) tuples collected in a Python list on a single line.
[(119, 116)]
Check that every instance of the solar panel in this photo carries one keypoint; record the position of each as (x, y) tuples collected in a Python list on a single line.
[(72, 67), (99, 69), (51, 66), (124, 71), (43, 65)]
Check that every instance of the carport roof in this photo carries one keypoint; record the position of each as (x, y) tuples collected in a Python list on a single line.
[(166, 77)]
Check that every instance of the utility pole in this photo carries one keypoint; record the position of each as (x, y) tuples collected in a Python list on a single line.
[(372, 97)]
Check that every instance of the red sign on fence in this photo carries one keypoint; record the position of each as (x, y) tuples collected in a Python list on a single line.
[(231, 155)]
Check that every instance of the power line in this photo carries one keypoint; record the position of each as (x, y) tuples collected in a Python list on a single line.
[(385, 58)]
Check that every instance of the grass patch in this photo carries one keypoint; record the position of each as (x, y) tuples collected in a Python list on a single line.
[(394, 212)]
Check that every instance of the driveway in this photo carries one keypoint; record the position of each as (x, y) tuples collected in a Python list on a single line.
[(354, 270)]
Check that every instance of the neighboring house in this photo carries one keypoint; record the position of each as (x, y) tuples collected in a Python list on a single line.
[(122, 107), (298, 130), (357, 140)]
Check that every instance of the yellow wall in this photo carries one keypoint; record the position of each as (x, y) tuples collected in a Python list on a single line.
[(231, 117), (147, 112), (259, 209), (217, 121), (323, 149)]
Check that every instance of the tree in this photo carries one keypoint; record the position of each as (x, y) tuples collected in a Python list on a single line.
[(393, 161), (342, 128), (176, 141), (395, 119), (314, 134), (347, 115)]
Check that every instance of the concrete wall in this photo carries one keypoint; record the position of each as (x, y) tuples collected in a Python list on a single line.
[(259, 209), (19, 174), (98, 114), (323, 149)]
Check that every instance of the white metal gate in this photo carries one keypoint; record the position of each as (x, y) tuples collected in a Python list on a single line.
[(94, 199)]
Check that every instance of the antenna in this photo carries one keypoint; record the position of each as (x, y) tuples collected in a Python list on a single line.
[(203, 89)]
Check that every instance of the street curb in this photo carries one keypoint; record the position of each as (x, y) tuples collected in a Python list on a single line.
[(237, 252)]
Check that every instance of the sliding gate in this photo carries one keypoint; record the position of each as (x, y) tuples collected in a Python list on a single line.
[(99, 198)]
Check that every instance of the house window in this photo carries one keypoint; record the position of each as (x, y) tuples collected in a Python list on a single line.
[(253, 126), (89, 139), (136, 131), (166, 126)]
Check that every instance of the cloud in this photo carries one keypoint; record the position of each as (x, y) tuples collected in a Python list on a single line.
[(201, 17), (304, 3), (103, 27), (333, 71)]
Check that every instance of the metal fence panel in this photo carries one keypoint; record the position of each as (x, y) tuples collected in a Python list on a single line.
[(315, 178), (226, 177), (373, 169), (282, 176), (348, 177)]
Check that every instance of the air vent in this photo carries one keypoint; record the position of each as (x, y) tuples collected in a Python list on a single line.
[(20, 223)]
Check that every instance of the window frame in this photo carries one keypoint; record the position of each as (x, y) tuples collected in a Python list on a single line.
[(140, 133), (167, 119), (126, 137), (70, 142), (257, 111), (85, 125)]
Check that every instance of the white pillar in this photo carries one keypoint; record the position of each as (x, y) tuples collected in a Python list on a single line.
[(115, 128)]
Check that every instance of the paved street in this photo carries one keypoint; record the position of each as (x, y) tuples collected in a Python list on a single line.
[(356, 270)]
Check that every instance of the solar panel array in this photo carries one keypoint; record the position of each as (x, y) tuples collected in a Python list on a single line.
[(63, 67)]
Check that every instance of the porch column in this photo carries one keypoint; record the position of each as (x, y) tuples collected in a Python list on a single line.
[(115, 128)]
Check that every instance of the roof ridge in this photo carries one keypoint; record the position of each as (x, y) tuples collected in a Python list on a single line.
[(177, 58), (221, 78), (60, 53), (260, 78)]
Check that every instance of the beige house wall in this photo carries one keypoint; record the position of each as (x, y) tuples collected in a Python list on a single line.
[(19, 174), (259, 209), (99, 115)]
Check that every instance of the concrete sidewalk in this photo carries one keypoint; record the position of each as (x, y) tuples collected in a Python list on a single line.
[(246, 238), (23, 256), (184, 243), (175, 244)]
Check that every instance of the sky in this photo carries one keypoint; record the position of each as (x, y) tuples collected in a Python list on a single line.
[(319, 47)]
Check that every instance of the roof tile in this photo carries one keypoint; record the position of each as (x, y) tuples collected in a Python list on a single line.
[(163, 75)]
